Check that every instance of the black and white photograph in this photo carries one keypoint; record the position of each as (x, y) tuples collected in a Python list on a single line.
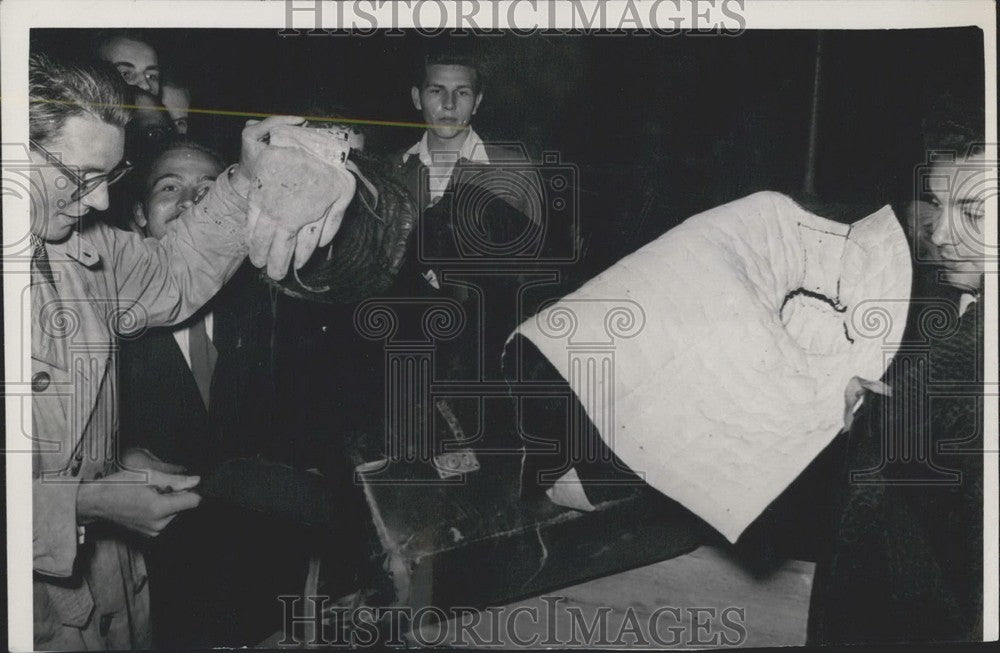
[(499, 325)]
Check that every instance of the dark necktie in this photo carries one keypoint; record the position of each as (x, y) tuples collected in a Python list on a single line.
[(40, 257), (203, 357)]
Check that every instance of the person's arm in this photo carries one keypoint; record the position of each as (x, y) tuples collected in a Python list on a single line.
[(144, 500), (257, 207), (369, 248), (54, 525), (164, 281)]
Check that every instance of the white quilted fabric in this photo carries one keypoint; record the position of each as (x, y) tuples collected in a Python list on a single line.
[(747, 323)]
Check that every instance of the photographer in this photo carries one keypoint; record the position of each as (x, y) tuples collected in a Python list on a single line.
[(91, 283)]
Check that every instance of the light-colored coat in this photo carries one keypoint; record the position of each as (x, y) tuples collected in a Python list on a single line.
[(90, 589)]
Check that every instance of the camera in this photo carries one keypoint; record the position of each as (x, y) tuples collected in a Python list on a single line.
[(483, 200)]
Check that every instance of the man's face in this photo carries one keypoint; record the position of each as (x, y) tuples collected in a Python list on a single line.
[(136, 61), (177, 102), (90, 148), (178, 179), (149, 127), (447, 99), (958, 193)]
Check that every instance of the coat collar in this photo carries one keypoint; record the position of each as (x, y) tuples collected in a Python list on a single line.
[(473, 149), (54, 309), (77, 247)]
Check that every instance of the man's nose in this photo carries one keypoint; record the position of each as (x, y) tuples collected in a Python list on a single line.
[(449, 101), (941, 234), (143, 83), (186, 201), (97, 199)]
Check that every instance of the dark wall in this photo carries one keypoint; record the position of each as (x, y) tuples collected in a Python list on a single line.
[(660, 127)]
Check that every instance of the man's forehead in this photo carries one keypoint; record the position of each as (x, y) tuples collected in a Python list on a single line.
[(89, 143), (960, 178), (184, 162), (456, 74), (129, 50), (146, 116)]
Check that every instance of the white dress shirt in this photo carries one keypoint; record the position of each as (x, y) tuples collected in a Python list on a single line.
[(966, 300), (442, 164), (182, 336)]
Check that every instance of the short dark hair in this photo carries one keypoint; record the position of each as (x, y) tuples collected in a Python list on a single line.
[(58, 91), (176, 143), (956, 124), (104, 36), (451, 59)]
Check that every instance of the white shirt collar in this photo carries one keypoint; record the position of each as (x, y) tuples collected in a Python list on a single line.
[(967, 299), (473, 149), (183, 336)]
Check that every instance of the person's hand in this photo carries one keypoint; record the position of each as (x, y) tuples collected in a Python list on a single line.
[(138, 459), (853, 393), (297, 203), (255, 137), (144, 502), (321, 232)]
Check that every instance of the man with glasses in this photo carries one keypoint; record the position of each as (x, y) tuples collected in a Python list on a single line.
[(90, 284), (81, 185)]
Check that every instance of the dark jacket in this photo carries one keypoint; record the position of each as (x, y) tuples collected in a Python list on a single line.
[(216, 571), (441, 281), (161, 408), (905, 563), (510, 174)]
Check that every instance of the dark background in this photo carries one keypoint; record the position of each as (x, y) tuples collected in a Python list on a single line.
[(660, 127)]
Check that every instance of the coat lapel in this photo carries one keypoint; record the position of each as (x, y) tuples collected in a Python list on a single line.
[(71, 334)]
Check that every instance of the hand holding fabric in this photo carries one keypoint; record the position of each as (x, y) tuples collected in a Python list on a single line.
[(253, 141), (297, 203), (137, 458), (144, 501)]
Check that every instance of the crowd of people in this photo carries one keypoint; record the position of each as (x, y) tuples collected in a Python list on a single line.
[(194, 356)]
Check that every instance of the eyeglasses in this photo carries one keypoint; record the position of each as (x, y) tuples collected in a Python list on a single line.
[(84, 186)]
